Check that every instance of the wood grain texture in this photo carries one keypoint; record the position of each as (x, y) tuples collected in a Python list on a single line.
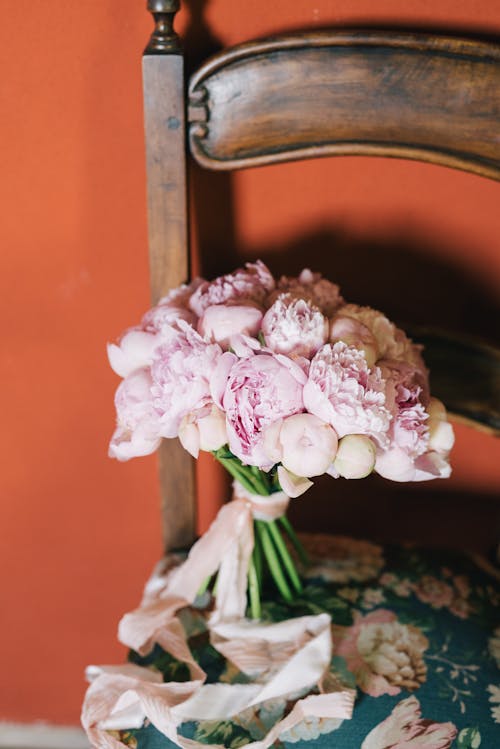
[(163, 79), (164, 123), (414, 96)]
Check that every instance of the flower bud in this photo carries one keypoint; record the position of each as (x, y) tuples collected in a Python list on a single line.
[(222, 321), (212, 428), (355, 456), (203, 432), (308, 444)]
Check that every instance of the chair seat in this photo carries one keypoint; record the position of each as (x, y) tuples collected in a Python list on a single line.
[(413, 632)]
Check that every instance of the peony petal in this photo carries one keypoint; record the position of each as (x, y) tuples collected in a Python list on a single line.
[(189, 436), (220, 322), (295, 369), (212, 430), (271, 441), (291, 484), (134, 351), (441, 436), (244, 346), (395, 464), (218, 381), (432, 465), (125, 445)]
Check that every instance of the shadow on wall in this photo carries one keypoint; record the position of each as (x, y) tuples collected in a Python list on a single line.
[(409, 280)]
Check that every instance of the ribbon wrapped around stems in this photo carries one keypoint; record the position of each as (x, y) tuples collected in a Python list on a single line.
[(288, 660)]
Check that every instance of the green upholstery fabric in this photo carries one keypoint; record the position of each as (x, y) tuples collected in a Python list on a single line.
[(413, 630)]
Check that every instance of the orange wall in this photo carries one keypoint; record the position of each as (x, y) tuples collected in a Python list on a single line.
[(79, 532)]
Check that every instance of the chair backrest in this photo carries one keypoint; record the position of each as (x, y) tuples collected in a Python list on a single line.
[(305, 95)]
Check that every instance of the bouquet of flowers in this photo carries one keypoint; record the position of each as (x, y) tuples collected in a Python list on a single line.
[(282, 380)]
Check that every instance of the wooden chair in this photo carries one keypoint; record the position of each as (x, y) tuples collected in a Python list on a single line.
[(298, 96)]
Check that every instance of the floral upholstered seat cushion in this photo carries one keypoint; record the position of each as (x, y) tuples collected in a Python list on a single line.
[(415, 632)]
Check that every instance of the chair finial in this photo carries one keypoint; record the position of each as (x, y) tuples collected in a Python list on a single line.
[(164, 39)]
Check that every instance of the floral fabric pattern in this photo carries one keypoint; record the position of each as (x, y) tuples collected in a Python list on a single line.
[(415, 632), (384, 655)]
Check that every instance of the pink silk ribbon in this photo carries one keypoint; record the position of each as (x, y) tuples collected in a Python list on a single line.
[(287, 659)]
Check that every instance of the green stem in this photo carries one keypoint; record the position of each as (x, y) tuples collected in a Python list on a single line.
[(285, 555), (253, 590), (295, 541), (257, 552), (272, 561), (262, 481), (237, 473), (203, 587), (251, 477)]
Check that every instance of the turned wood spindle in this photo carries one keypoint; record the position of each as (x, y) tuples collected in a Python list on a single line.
[(164, 39)]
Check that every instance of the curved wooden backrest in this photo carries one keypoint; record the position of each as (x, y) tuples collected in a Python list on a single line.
[(330, 93), (413, 96)]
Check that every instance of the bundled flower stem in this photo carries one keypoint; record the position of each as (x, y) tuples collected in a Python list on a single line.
[(270, 556)]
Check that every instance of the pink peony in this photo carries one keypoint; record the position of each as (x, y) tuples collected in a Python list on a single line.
[(134, 351), (432, 465), (406, 389), (392, 343), (412, 455), (158, 319), (343, 391), (203, 430), (355, 457), (136, 346), (221, 322), (304, 444), (311, 286), (181, 371), (254, 393), (137, 432), (294, 327), (181, 295), (252, 283), (354, 333), (405, 728), (395, 464)]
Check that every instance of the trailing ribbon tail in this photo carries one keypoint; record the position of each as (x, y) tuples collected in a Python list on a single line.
[(297, 651)]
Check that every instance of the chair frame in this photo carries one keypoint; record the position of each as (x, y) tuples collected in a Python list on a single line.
[(416, 96)]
